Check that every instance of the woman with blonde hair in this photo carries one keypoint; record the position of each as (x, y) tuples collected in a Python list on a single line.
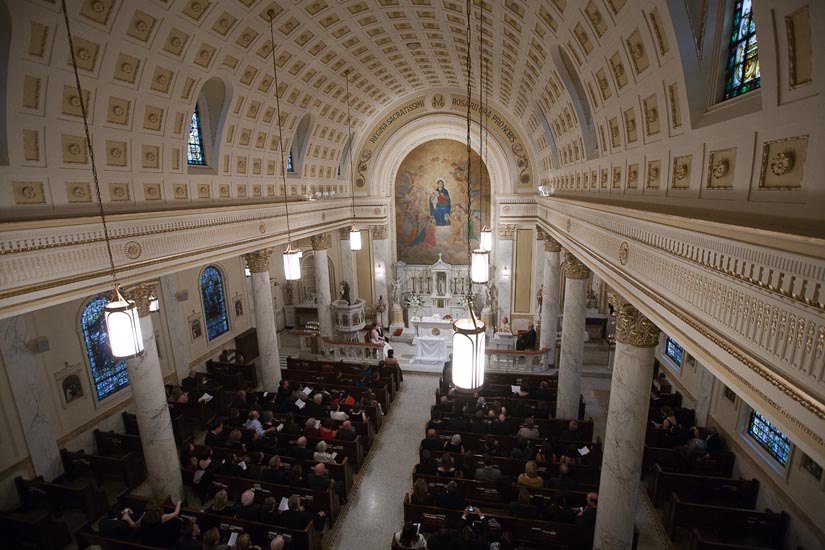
[(530, 477), (421, 493), (220, 505)]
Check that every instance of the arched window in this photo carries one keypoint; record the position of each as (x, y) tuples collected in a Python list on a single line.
[(298, 147), (109, 374), (195, 152), (214, 302), (742, 70), (290, 167)]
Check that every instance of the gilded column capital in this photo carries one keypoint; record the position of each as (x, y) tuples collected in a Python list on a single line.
[(320, 242), (258, 261), (506, 232), (573, 268), (142, 295), (551, 244), (615, 299), (378, 232), (634, 329), (541, 234)]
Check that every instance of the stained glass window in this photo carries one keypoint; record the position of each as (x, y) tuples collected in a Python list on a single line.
[(674, 351), (195, 151), (290, 167), (109, 374), (769, 438), (742, 72), (214, 302)]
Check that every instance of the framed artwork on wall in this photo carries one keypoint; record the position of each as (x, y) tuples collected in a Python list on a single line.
[(70, 384), (195, 326), (237, 302)]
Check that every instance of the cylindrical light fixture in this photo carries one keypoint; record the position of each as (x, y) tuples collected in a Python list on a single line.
[(354, 238), (485, 242), (469, 342), (479, 267), (123, 327), (246, 271), (292, 263), (154, 303)]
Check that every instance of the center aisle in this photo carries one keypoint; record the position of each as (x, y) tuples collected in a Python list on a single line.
[(375, 510)]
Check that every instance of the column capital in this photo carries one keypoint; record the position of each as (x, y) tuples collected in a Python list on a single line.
[(615, 299), (258, 261), (506, 232), (379, 232), (540, 234), (343, 233), (320, 242), (573, 268), (142, 295), (551, 244), (634, 329)]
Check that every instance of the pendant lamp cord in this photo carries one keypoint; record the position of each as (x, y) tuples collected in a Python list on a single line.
[(349, 131), (271, 14), (89, 143), (469, 159)]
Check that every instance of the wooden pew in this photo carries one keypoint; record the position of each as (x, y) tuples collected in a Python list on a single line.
[(586, 476), (86, 536), (670, 459), (547, 427), (128, 467), (505, 443), (247, 371), (34, 529), (180, 425), (86, 498), (540, 534), (751, 524), (716, 539), (115, 444), (316, 381), (528, 406), (664, 483), (305, 539), (312, 365)]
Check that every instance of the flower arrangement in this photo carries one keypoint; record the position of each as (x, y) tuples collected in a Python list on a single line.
[(414, 301)]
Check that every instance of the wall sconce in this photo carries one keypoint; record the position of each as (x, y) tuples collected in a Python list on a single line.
[(505, 271), (379, 269)]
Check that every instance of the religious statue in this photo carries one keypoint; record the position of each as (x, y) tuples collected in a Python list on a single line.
[(345, 292), (289, 293), (398, 287)]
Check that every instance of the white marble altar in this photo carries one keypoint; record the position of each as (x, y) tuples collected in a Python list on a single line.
[(430, 350), (432, 325)]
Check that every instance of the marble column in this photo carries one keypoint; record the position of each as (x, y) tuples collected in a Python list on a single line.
[(504, 271), (704, 391), (31, 395), (269, 358), (176, 326), (572, 337), (323, 298), (151, 409), (348, 264), (381, 261), (550, 298), (636, 340)]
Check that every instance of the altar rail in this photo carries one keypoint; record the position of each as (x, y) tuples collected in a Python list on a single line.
[(506, 360), (353, 351)]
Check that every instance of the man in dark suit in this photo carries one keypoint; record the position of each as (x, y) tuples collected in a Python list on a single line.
[(528, 339), (295, 517), (346, 432), (214, 437), (248, 509), (501, 426), (487, 473), (563, 481), (300, 450), (449, 498), (572, 433), (274, 474), (315, 408), (318, 479), (431, 443)]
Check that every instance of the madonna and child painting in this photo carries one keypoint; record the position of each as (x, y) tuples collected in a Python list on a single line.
[(431, 203)]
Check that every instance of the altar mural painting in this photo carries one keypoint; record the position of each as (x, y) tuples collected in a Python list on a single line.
[(431, 203)]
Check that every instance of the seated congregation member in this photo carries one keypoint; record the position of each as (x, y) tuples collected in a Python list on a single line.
[(487, 473), (234, 441), (701, 447), (572, 433), (558, 511), (530, 477), (501, 426), (278, 543), (300, 450), (215, 436), (478, 423), (408, 538), (346, 432), (177, 396), (318, 478), (441, 540), (238, 400), (545, 453), (543, 392), (248, 510), (421, 493), (587, 514), (290, 426), (315, 407), (391, 361), (337, 414), (269, 511), (311, 428), (326, 431), (156, 528), (431, 442), (212, 540), (523, 507), (274, 473), (284, 391), (449, 497), (454, 444), (188, 458), (521, 451), (190, 537), (296, 516), (459, 423), (426, 467), (570, 455), (321, 454), (244, 542), (468, 466), (191, 384), (444, 405), (296, 476), (528, 339), (220, 505), (447, 467), (562, 481), (528, 430), (253, 423)]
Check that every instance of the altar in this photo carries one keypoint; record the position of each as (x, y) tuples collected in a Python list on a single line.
[(430, 350), (433, 325)]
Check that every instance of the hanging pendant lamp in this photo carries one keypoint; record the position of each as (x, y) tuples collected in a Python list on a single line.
[(469, 338), (354, 232), (120, 315), (486, 240), (292, 256)]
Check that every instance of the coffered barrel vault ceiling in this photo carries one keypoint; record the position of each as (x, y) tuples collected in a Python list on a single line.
[(596, 86)]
